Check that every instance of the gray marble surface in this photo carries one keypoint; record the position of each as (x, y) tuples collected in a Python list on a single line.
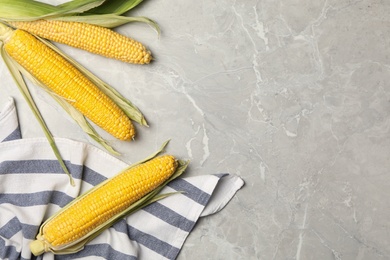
[(293, 96)]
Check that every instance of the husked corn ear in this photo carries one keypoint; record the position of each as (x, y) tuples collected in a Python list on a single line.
[(65, 80), (92, 38), (101, 204)]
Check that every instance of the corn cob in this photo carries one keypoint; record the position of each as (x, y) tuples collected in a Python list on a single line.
[(102, 204), (92, 38), (65, 80)]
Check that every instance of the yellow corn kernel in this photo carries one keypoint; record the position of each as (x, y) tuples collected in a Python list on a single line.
[(65, 80), (92, 38), (103, 203)]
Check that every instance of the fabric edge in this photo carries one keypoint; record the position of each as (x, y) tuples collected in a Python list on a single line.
[(225, 190)]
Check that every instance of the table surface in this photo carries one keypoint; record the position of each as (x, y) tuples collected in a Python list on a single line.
[(293, 96)]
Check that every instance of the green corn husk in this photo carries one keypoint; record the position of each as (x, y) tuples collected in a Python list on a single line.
[(115, 7), (110, 15), (109, 20), (144, 201), (27, 10), (98, 12)]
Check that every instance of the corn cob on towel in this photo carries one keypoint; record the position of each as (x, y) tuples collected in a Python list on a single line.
[(27, 198)]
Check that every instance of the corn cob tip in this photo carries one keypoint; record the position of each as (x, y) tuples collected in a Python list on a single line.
[(37, 247)]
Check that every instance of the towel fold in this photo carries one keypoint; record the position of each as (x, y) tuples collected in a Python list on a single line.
[(9, 126), (34, 187)]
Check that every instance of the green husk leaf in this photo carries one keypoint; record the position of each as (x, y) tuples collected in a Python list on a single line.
[(31, 10), (150, 157), (23, 9), (128, 108), (115, 7), (80, 119), (151, 197), (109, 20), (16, 74), (79, 6), (84, 124)]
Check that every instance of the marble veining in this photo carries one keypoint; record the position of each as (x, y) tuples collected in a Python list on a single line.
[(293, 96)]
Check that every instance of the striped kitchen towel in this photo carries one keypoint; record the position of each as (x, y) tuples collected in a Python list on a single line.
[(33, 187)]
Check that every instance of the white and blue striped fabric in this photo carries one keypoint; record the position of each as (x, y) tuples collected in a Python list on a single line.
[(33, 187)]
